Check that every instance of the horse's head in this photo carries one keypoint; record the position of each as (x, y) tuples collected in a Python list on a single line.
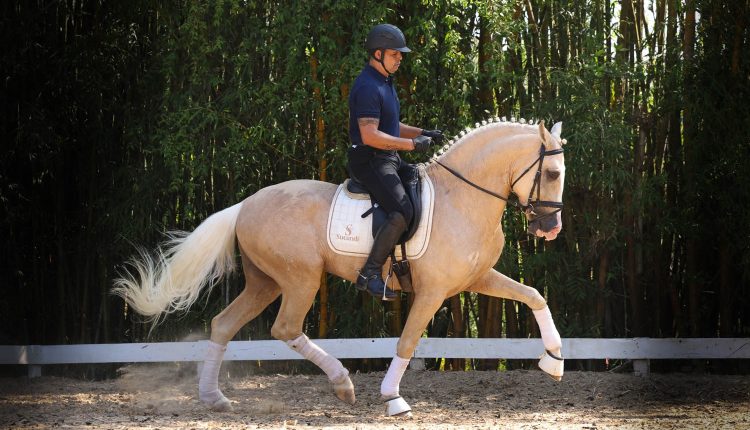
[(539, 184)]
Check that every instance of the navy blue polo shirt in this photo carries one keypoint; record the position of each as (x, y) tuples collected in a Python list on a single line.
[(373, 96)]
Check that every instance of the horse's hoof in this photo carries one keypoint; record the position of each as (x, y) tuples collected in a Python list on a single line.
[(344, 390), (221, 405), (397, 407), (217, 403), (552, 365)]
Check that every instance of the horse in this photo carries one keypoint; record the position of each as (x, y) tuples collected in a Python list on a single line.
[(281, 233)]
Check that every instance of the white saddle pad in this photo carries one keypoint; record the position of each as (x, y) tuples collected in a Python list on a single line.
[(350, 234)]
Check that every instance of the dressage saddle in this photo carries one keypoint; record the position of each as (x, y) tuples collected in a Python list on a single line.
[(413, 186)]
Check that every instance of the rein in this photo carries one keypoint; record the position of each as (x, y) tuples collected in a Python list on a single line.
[(529, 207)]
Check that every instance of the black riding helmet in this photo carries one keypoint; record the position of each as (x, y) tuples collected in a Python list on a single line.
[(382, 37)]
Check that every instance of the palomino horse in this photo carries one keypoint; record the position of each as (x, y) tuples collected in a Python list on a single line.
[(281, 232)]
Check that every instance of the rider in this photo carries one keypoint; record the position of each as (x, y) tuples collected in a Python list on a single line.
[(376, 133)]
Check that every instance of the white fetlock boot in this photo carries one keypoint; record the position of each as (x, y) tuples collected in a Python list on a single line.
[(395, 405), (336, 372), (208, 384), (551, 362)]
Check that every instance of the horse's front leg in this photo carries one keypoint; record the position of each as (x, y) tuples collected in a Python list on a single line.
[(496, 284), (422, 311)]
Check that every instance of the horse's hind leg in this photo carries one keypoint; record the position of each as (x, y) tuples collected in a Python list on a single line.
[(259, 292), (496, 284), (288, 327)]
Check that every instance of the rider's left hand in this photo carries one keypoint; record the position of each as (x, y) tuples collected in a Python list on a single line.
[(436, 135)]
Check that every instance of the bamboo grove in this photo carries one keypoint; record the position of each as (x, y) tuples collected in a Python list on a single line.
[(123, 120)]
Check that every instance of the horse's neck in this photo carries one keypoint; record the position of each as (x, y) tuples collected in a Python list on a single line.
[(488, 157)]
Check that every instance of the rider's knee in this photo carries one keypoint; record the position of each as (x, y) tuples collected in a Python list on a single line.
[(406, 214), (398, 220)]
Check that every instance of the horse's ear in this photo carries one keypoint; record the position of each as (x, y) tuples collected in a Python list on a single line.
[(556, 130), (544, 134)]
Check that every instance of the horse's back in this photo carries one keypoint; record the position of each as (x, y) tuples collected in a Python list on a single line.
[(287, 203)]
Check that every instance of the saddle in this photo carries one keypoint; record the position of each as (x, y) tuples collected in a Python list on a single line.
[(413, 186)]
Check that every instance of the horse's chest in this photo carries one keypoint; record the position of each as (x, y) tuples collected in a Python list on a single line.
[(463, 258)]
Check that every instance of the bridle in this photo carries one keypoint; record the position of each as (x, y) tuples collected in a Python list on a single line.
[(537, 186)]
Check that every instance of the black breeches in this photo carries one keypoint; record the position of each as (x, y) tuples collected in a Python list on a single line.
[(380, 175)]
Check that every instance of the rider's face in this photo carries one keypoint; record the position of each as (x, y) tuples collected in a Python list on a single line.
[(392, 60)]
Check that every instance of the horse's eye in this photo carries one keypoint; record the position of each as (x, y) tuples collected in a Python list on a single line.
[(553, 174)]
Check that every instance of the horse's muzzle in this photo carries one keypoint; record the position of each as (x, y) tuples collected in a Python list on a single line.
[(547, 227)]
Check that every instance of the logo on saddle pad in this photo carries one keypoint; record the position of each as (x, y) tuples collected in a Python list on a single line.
[(350, 234), (347, 235)]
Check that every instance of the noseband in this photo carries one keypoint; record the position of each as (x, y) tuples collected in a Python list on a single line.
[(537, 186)]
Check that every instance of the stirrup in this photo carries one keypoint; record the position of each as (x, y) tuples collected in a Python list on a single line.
[(385, 287), (366, 287)]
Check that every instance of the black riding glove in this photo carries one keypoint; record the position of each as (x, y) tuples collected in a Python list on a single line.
[(422, 143), (436, 135)]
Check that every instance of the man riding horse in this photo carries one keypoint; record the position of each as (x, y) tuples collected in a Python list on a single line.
[(473, 177), (376, 134)]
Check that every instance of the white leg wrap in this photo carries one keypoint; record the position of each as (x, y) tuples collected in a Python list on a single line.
[(389, 387), (208, 384), (550, 336), (332, 367)]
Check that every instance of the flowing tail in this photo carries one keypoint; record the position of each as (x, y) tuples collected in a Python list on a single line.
[(172, 280)]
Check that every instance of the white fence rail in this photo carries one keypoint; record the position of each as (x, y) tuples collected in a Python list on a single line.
[(640, 350)]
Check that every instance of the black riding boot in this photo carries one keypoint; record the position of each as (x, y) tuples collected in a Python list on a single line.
[(370, 278)]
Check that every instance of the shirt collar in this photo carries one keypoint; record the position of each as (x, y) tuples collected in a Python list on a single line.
[(377, 75)]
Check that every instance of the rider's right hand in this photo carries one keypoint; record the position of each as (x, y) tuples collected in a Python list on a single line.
[(422, 143)]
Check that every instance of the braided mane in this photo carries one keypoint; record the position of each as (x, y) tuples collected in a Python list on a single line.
[(479, 126)]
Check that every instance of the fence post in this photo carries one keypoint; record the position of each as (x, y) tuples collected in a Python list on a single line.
[(417, 364), (35, 370), (641, 367)]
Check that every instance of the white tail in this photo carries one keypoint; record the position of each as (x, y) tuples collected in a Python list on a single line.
[(172, 280)]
